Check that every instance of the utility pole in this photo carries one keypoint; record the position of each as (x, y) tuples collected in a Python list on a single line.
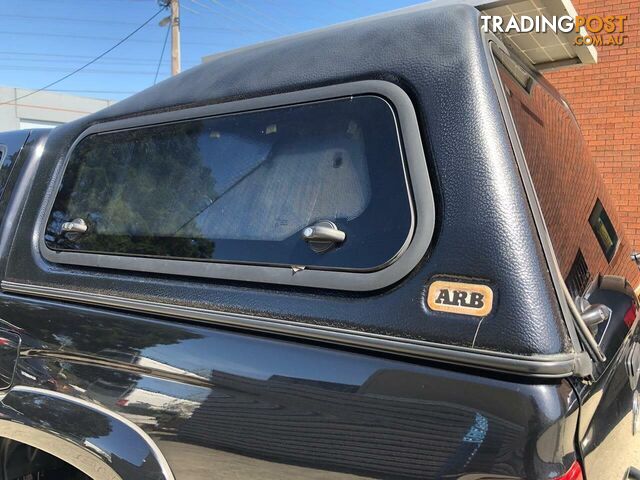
[(175, 36)]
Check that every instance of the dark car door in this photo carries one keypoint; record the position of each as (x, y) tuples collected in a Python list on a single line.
[(609, 420)]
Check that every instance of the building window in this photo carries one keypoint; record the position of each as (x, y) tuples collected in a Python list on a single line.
[(603, 229)]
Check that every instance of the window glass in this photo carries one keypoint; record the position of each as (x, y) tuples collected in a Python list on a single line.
[(243, 187), (603, 228), (567, 184), (6, 161)]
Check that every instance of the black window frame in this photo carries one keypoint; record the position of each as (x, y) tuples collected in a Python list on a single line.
[(416, 176), (272, 237)]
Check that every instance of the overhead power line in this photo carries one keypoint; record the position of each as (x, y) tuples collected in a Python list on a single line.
[(46, 56), (164, 46), (246, 17), (260, 13), (192, 10), (15, 100), (75, 90), (93, 37), (218, 13), (21, 68), (68, 63), (85, 20)]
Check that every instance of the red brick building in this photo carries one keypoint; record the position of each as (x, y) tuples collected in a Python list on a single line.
[(606, 101)]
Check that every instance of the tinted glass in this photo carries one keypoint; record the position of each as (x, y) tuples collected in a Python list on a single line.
[(243, 187), (6, 163), (603, 229), (10, 147), (5, 167), (568, 185)]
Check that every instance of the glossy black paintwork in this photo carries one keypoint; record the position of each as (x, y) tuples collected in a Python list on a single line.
[(272, 407), (9, 349), (609, 430), (119, 447)]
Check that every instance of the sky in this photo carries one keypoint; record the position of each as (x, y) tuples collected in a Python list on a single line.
[(43, 40)]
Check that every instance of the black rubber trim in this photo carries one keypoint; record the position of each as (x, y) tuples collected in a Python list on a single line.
[(546, 366)]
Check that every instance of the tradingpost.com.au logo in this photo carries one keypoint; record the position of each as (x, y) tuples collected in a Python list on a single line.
[(594, 30)]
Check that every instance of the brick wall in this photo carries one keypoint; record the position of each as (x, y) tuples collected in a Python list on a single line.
[(606, 101), (567, 184)]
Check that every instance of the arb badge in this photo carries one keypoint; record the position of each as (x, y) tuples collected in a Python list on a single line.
[(462, 298)]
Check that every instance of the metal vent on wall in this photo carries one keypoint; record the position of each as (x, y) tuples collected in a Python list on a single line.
[(578, 278)]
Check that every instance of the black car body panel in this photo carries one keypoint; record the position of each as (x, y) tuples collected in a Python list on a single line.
[(268, 407), (131, 374)]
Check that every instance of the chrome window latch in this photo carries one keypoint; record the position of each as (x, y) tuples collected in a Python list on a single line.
[(323, 236), (77, 225)]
